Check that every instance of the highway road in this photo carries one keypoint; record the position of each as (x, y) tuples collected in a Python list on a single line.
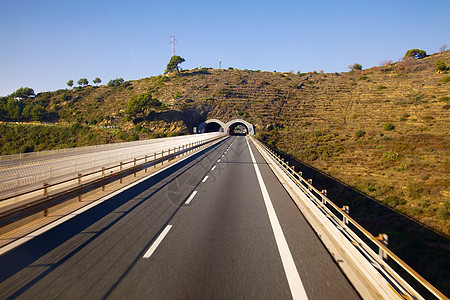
[(217, 225)]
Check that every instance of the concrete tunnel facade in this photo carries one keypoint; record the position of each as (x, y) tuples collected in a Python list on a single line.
[(224, 127)]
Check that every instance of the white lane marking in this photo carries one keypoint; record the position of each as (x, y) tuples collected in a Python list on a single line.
[(213, 168), (295, 283), (191, 197), (157, 242), (218, 160), (206, 178), (47, 227)]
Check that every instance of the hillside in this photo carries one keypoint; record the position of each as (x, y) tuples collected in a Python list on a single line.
[(384, 131)]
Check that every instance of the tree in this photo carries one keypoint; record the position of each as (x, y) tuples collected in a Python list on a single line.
[(83, 81), (115, 82), (23, 93), (70, 83), (26, 112), (355, 66), (37, 112), (443, 48), (173, 64), (13, 109), (415, 54), (97, 80), (3, 109), (141, 105)]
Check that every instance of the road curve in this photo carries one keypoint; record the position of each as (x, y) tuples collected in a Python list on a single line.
[(201, 229)]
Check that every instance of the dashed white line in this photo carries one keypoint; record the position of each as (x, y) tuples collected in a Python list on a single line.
[(49, 226), (191, 197), (218, 160), (293, 278), (157, 242), (213, 168), (206, 178)]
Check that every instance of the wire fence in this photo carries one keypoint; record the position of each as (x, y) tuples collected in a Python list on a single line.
[(23, 172)]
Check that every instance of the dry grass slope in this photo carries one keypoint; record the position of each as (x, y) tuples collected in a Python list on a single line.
[(384, 131)]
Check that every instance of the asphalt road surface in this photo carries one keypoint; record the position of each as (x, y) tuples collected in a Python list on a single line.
[(217, 225)]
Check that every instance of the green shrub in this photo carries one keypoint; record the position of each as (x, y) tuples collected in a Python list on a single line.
[(359, 133), (391, 155), (441, 66), (445, 79), (404, 117), (363, 78), (444, 99), (393, 201), (381, 87), (388, 126)]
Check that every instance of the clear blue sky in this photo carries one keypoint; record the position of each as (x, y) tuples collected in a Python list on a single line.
[(44, 43)]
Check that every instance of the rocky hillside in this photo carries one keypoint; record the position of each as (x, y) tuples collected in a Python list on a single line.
[(384, 130)]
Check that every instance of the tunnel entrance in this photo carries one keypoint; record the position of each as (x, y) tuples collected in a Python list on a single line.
[(237, 129), (236, 126), (212, 127)]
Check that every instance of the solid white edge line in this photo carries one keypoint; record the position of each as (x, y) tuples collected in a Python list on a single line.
[(51, 225), (293, 278), (191, 197), (157, 242), (206, 178)]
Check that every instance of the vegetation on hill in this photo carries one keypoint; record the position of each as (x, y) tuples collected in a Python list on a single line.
[(383, 130)]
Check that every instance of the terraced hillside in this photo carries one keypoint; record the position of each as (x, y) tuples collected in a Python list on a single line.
[(384, 131)]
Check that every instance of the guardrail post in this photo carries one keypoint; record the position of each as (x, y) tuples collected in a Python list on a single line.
[(45, 189), (154, 159), (346, 209), (121, 168), (103, 175), (300, 173), (134, 165), (145, 170), (383, 238), (79, 178), (310, 182), (324, 201)]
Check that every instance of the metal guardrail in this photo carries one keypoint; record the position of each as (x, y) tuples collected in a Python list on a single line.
[(342, 219), (24, 173), (136, 163)]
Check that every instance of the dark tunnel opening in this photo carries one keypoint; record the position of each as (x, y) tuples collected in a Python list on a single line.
[(212, 127)]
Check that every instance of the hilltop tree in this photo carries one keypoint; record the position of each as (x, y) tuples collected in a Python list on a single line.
[(141, 105), (355, 66), (173, 64), (23, 93), (415, 54), (97, 80), (83, 81), (115, 82), (70, 83), (443, 48)]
